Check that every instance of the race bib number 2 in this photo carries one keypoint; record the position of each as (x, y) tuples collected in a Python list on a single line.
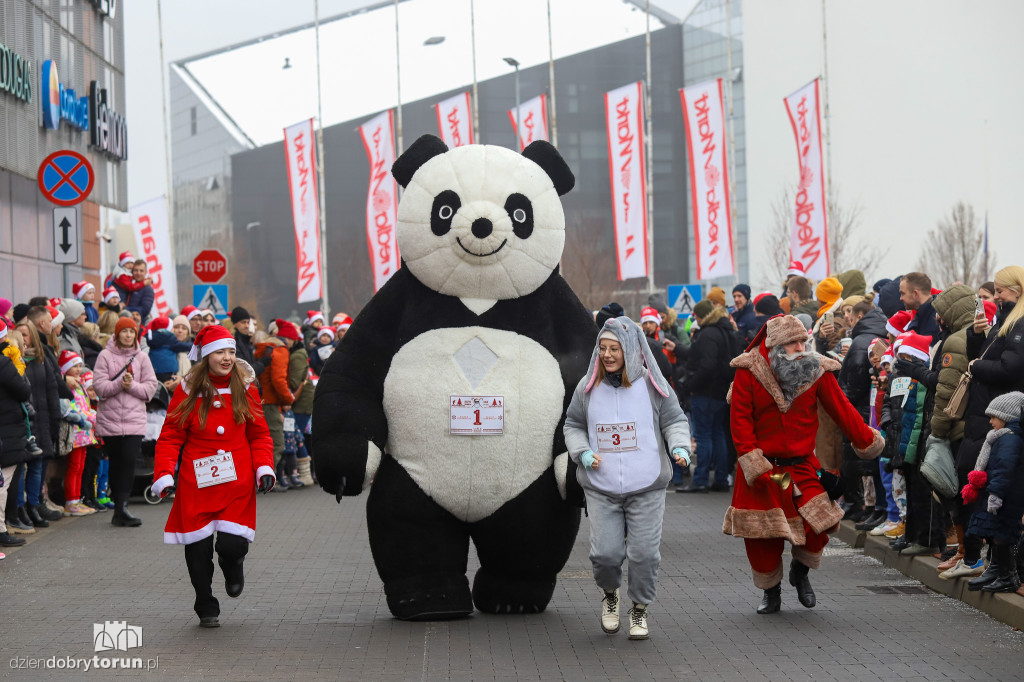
[(619, 437), (214, 470), (476, 415)]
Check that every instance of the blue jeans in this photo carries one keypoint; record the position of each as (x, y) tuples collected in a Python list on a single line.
[(709, 431), (301, 420), (892, 509), (103, 477)]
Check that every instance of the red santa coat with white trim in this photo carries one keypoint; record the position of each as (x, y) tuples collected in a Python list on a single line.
[(765, 424), (229, 507)]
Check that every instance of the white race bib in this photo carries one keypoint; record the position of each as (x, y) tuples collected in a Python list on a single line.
[(214, 470), (476, 415), (901, 388), (619, 437), (289, 424), (325, 352)]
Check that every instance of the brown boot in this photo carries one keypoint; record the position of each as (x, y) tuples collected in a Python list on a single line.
[(951, 562)]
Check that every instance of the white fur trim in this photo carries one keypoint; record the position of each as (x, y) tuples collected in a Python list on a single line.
[(316, 316), (160, 484), (193, 314), (917, 353), (206, 531), (483, 176), (561, 472), (217, 345), (373, 457), (472, 476), (69, 364), (656, 319)]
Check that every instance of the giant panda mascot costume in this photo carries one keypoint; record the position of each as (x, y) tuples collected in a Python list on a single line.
[(449, 391)]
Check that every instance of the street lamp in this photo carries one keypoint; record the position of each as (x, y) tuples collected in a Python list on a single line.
[(515, 64)]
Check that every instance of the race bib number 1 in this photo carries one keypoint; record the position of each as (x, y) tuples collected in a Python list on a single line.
[(214, 470), (616, 437), (476, 415)]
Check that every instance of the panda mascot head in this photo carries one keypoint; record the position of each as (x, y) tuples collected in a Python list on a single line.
[(481, 222)]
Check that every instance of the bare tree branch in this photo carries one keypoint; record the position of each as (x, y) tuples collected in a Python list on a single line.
[(952, 251)]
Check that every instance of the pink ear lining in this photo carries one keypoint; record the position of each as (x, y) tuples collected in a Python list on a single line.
[(593, 374), (655, 384)]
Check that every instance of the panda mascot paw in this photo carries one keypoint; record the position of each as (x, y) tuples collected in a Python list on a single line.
[(452, 385)]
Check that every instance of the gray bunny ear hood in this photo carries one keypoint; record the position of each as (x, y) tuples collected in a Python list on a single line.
[(636, 351)]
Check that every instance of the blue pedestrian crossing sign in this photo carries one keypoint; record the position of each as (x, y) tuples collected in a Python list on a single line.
[(683, 297), (212, 297)]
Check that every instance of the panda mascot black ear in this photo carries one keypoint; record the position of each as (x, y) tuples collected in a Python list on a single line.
[(547, 157), (422, 150)]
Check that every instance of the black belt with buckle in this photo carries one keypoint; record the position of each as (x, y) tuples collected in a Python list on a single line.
[(785, 461)]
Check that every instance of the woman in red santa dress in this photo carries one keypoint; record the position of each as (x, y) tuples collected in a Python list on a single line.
[(779, 383), (216, 422)]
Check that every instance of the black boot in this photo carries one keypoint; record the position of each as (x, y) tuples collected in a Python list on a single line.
[(231, 551), (122, 517), (876, 518), (798, 579), (27, 519), (199, 559), (34, 516), (772, 600), (990, 574), (1008, 580)]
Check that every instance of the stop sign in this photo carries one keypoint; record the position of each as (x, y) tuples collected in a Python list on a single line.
[(210, 266)]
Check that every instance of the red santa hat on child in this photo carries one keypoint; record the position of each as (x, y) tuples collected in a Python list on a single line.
[(79, 289), (210, 339), (56, 316), (897, 324), (325, 330), (157, 324), (312, 316), (287, 330), (86, 379), (342, 321), (109, 293), (126, 259), (915, 345), (649, 314), (191, 311), (796, 269), (68, 359)]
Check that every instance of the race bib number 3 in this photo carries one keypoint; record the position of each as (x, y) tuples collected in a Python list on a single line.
[(476, 415), (214, 470), (616, 437)]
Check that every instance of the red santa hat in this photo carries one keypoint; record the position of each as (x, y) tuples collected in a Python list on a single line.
[(210, 339), (191, 311), (342, 321), (915, 345), (649, 314), (55, 302), (796, 269), (757, 299), (109, 293), (79, 289), (887, 357), (991, 310), (157, 324), (56, 316), (312, 316), (326, 330), (897, 324), (67, 360), (3, 329), (287, 330), (126, 259), (86, 379)]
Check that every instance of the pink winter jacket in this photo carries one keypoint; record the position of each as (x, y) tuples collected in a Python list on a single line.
[(120, 412)]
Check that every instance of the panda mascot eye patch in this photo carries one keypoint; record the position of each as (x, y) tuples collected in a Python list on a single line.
[(520, 210), (445, 205)]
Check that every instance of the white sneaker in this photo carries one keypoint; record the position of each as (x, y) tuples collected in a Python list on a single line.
[(610, 612), (962, 570), (883, 529), (638, 621)]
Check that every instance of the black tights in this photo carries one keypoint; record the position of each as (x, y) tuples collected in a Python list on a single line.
[(199, 559)]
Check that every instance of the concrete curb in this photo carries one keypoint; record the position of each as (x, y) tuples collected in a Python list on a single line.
[(1006, 608)]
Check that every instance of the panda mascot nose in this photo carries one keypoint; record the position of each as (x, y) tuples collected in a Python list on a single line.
[(482, 228)]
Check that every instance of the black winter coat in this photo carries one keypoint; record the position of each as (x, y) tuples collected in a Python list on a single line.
[(708, 366), (999, 372), (1006, 481), (925, 322), (90, 351), (855, 376), (46, 401), (51, 361), (746, 320), (14, 390)]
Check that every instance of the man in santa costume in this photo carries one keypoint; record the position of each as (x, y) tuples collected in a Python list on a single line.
[(216, 422), (779, 383)]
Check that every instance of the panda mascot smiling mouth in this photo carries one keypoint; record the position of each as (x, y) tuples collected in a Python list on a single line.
[(449, 390)]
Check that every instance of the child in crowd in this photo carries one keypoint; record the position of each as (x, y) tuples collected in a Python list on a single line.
[(86, 293), (895, 512), (322, 348), (1000, 473), (82, 431)]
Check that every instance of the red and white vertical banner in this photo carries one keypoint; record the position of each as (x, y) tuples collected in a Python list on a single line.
[(809, 238), (623, 108), (533, 115), (153, 237), (300, 154), (382, 198), (704, 115), (455, 120)]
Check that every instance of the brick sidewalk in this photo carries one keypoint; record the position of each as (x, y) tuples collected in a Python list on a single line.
[(313, 608)]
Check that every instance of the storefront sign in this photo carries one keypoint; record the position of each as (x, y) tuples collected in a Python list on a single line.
[(60, 102), (15, 74), (108, 131)]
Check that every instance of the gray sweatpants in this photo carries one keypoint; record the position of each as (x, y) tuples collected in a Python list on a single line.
[(626, 527)]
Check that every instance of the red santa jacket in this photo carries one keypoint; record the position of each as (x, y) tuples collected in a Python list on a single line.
[(230, 506)]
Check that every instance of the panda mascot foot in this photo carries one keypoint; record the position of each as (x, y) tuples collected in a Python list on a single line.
[(430, 597), (505, 594)]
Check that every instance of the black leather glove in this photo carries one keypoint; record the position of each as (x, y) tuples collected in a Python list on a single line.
[(266, 484), (833, 484), (909, 369), (168, 491)]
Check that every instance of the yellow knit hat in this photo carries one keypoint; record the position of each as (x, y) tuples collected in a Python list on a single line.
[(828, 292)]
